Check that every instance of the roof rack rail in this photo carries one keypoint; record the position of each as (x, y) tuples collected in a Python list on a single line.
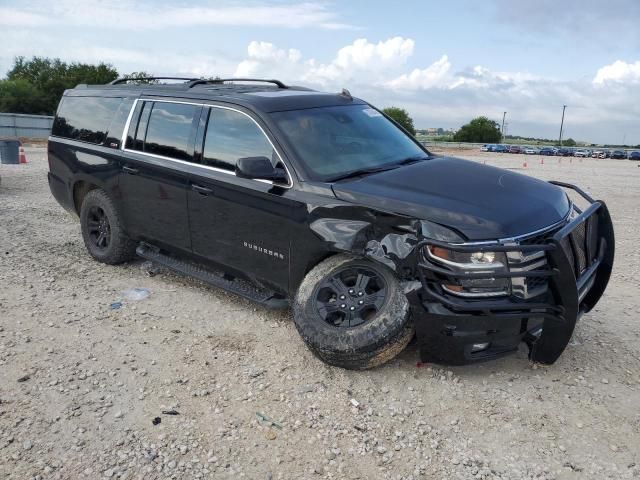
[(118, 81), (222, 80)]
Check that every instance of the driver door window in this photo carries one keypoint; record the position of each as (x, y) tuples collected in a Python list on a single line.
[(231, 135)]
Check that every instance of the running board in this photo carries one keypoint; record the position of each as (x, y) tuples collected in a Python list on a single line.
[(238, 286)]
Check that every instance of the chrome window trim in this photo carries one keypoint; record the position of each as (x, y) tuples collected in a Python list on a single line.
[(289, 183)]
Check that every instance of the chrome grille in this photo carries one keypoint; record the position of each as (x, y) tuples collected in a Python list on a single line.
[(579, 237), (583, 239), (529, 287)]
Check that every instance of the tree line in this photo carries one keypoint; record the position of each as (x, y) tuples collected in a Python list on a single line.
[(35, 85)]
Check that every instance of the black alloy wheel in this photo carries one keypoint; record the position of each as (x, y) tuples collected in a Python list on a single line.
[(351, 296), (98, 227), (352, 312), (102, 232)]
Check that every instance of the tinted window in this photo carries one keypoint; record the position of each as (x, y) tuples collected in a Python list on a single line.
[(85, 118), (118, 122), (333, 141), (232, 135), (169, 130)]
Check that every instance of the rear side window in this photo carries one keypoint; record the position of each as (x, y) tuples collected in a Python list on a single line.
[(232, 135), (85, 118), (166, 129)]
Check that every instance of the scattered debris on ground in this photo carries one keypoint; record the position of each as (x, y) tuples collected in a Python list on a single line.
[(82, 382)]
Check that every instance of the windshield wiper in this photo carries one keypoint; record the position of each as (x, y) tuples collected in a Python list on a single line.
[(363, 171), (383, 168), (413, 159)]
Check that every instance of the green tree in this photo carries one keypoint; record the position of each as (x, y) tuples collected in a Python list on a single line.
[(20, 96), (143, 75), (401, 116), (569, 142), (51, 77), (479, 130)]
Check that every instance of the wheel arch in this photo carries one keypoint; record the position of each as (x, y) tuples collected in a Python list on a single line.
[(79, 191), (392, 250)]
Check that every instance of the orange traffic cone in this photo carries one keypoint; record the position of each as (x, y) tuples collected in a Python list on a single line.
[(541, 161), (524, 165), (22, 158)]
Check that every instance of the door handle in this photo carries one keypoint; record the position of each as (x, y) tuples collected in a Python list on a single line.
[(201, 190), (130, 171)]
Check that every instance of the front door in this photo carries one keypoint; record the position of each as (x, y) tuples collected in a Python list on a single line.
[(240, 223)]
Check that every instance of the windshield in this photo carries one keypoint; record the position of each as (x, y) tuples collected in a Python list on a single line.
[(334, 141)]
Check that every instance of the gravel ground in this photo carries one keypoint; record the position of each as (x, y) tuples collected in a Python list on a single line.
[(80, 383)]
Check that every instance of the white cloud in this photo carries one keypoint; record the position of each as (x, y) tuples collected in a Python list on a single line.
[(21, 18), (618, 72), (146, 15), (434, 76), (440, 95), (142, 58), (261, 54), (361, 53), (361, 60)]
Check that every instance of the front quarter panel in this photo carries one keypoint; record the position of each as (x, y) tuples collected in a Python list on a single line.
[(338, 227)]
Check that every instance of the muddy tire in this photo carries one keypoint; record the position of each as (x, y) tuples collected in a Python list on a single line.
[(341, 338), (102, 231)]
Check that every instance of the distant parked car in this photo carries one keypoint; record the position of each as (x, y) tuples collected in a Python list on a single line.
[(604, 154), (564, 152), (581, 153), (634, 155), (500, 148), (487, 148), (618, 154), (595, 154), (530, 150), (549, 151), (515, 149)]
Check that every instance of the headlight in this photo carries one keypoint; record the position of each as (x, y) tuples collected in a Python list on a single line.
[(472, 262)]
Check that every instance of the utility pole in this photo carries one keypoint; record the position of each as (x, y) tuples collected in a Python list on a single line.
[(504, 114), (562, 123)]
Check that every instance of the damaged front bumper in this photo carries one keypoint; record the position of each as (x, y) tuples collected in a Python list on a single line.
[(454, 330)]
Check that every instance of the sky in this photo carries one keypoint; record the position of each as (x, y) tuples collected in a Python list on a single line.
[(444, 61)]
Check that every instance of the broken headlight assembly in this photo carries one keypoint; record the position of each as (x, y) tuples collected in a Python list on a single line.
[(476, 263)]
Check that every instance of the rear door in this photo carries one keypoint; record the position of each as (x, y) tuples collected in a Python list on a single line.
[(153, 180), (240, 223)]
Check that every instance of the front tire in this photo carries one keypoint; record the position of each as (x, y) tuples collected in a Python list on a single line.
[(352, 313), (102, 230)]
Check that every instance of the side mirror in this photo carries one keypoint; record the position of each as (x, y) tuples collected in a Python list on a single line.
[(259, 168)]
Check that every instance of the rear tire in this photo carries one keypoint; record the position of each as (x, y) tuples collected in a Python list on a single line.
[(102, 231), (380, 333)]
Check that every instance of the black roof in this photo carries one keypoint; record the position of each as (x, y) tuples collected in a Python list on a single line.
[(263, 95)]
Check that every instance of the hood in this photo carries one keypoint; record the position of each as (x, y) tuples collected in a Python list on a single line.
[(481, 202)]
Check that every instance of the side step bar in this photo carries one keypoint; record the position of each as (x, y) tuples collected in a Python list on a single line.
[(238, 286)]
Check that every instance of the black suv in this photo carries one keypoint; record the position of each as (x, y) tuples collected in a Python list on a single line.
[(289, 196)]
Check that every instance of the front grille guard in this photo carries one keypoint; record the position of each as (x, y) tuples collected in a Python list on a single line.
[(573, 290)]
